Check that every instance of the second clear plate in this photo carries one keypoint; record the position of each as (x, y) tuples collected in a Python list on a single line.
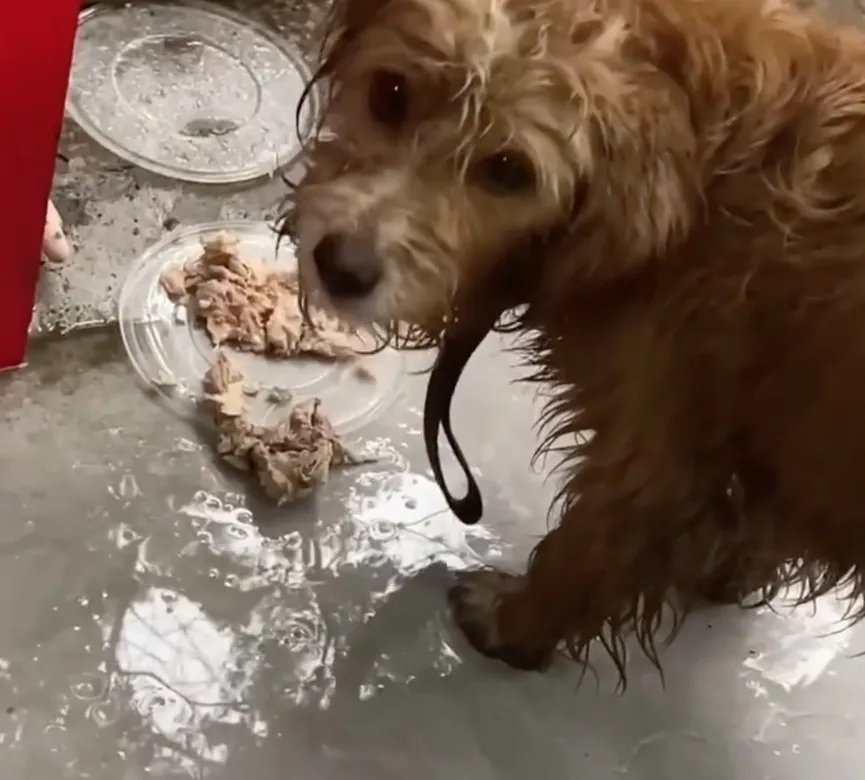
[(194, 92)]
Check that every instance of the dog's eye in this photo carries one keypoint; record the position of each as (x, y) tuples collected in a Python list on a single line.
[(506, 173), (388, 98)]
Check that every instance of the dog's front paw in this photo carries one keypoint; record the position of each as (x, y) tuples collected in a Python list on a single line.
[(479, 603)]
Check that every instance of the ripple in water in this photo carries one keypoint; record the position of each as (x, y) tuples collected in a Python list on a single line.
[(89, 686), (107, 712), (381, 530), (299, 634)]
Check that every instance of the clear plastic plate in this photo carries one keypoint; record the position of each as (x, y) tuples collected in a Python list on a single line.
[(194, 92), (171, 353)]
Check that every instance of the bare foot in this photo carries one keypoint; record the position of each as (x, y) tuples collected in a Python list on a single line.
[(55, 245)]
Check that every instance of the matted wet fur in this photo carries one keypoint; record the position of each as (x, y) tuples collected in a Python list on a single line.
[(690, 177)]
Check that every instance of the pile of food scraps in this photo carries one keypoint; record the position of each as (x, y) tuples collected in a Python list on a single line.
[(254, 307), (292, 458)]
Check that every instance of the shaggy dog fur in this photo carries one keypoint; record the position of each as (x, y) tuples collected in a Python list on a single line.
[(667, 199)]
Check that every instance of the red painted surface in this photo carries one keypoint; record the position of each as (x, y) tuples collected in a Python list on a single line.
[(36, 40)]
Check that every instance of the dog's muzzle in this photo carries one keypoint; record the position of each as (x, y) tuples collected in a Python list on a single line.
[(348, 266)]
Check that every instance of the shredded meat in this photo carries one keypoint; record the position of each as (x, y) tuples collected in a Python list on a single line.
[(253, 307), (290, 459)]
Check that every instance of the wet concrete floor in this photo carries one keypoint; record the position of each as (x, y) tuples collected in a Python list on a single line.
[(162, 621)]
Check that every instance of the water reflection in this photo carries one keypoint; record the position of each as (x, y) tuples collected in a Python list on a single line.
[(168, 633), (227, 618), (182, 673)]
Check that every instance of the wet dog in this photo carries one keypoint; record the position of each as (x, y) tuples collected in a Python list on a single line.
[(666, 198)]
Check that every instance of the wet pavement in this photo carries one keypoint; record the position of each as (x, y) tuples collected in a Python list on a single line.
[(162, 621)]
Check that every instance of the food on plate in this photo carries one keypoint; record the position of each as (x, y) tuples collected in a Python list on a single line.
[(292, 458), (253, 306)]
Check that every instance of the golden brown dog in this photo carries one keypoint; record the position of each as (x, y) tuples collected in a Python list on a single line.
[(674, 194)]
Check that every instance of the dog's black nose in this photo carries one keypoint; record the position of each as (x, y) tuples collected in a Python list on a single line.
[(347, 266)]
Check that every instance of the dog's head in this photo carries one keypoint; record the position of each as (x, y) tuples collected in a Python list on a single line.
[(456, 131)]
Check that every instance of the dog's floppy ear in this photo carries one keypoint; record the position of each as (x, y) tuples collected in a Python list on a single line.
[(352, 16), (642, 192), (651, 195), (638, 201), (344, 20)]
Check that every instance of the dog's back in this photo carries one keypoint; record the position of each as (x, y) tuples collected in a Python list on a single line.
[(770, 286)]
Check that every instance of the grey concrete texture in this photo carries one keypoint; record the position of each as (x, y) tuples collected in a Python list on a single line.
[(162, 621)]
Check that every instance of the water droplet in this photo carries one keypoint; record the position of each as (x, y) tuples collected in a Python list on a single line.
[(105, 713), (237, 531), (382, 530), (126, 536), (169, 597), (147, 702), (87, 687), (243, 516), (129, 486), (297, 635)]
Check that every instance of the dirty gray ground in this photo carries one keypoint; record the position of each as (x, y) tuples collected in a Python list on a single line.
[(161, 622)]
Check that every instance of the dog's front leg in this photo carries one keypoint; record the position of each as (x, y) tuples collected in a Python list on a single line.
[(625, 538)]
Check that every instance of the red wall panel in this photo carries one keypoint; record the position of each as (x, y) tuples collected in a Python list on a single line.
[(36, 40)]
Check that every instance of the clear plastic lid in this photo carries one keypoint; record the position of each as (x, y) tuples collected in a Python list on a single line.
[(194, 92), (171, 353)]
